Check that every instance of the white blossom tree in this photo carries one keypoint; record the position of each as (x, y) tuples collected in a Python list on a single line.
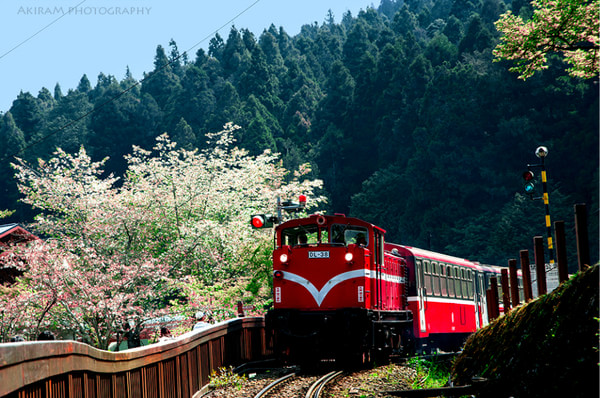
[(174, 227)]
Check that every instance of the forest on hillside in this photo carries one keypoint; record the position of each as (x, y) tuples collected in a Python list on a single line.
[(400, 110)]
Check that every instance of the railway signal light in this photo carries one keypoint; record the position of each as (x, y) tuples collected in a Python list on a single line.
[(302, 200), (529, 184), (261, 221), (293, 207), (541, 152)]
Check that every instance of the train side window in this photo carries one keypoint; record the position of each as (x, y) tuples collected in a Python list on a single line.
[(463, 279), (457, 284), (450, 276), (443, 280), (427, 274), (435, 278), (470, 283), (521, 290), (500, 291)]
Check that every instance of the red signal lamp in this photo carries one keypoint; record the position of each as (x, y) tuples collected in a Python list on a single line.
[(261, 221), (278, 274), (302, 200), (258, 221), (528, 175)]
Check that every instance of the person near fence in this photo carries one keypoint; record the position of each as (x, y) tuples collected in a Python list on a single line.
[(132, 336), (165, 334), (201, 321)]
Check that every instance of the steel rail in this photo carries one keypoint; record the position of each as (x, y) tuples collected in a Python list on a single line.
[(263, 393), (317, 387)]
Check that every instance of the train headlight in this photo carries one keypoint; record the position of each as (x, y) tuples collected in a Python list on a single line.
[(349, 257), (283, 258)]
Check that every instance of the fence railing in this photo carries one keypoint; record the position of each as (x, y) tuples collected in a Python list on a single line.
[(177, 368), (510, 297)]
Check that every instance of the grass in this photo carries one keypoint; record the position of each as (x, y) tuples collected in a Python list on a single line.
[(431, 373), (225, 377)]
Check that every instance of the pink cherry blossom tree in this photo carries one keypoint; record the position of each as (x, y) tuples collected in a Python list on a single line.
[(81, 293), (567, 27), (177, 223)]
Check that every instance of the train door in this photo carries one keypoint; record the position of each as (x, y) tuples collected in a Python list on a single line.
[(421, 292), (482, 302), (477, 298), (379, 270)]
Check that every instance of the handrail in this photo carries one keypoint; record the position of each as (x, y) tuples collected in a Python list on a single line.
[(174, 368)]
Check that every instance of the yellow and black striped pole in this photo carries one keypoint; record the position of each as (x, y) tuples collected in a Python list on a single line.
[(542, 152), (547, 206)]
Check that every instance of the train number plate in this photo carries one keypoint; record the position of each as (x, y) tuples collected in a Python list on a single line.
[(319, 254)]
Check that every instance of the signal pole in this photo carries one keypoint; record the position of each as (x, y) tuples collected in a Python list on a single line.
[(542, 155), (541, 152)]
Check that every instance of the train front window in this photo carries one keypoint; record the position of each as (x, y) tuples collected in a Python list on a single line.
[(349, 234), (300, 235)]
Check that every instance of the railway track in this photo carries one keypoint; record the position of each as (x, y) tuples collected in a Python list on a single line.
[(271, 387), (318, 386), (277, 381), (314, 391)]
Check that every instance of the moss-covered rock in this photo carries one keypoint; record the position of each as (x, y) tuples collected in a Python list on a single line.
[(545, 348)]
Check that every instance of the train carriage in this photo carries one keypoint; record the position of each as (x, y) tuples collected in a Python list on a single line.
[(446, 295)]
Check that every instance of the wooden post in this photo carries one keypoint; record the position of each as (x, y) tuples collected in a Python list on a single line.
[(514, 282), (524, 255), (240, 309), (540, 264), (494, 296), (490, 305), (581, 232), (561, 251), (505, 291)]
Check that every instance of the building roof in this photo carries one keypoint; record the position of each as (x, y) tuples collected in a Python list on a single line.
[(15, 229), (5, 228)]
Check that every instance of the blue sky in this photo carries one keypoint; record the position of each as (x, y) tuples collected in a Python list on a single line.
[(45, 42)]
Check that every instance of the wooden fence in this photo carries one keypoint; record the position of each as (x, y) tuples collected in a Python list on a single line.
[(510, 296), (177, 368)]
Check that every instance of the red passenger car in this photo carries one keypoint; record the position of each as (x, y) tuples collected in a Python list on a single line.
[(447, 296)]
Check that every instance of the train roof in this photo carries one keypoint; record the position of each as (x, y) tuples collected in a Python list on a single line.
[(329, 219), (417, 252)]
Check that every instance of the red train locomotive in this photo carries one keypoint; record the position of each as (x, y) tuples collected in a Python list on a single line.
[(341, 292)]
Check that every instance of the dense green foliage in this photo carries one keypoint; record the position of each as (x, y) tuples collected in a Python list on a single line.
[(400, 110)]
